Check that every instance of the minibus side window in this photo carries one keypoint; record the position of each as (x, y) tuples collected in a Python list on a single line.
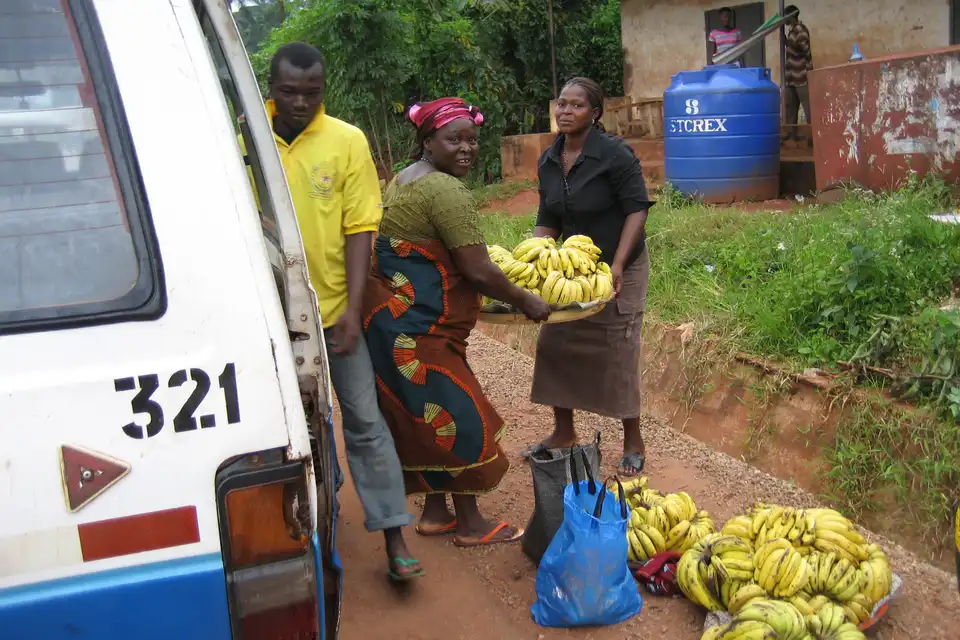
[(76, 239), (268, 218)]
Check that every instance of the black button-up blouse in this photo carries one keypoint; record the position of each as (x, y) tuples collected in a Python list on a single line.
[(604, 186)]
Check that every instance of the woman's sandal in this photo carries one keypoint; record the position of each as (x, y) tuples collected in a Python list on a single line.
[(490, 538), (432, 529), (405, 563), (631, 465)]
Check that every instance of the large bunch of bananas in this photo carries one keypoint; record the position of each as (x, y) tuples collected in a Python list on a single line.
[(823, 530), (762, 619), (838, 567), (714, 571), (830, 623), (561, 275), (780, 569), (661, 523)]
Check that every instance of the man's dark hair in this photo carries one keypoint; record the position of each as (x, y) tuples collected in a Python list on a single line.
[(726, 10), (791, 8), (299, 54)]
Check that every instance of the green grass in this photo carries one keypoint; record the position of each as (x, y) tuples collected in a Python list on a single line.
[(861, 280), (500, 191), (506, 230)]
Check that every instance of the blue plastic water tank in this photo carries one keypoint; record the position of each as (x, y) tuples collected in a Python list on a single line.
[(722, 134)]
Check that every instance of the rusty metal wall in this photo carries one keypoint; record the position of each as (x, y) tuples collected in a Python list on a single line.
[(877, 120)]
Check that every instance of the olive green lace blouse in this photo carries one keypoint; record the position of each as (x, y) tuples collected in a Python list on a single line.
[(434, 207)]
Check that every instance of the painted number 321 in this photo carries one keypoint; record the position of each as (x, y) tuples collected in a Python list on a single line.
[(185, 420)]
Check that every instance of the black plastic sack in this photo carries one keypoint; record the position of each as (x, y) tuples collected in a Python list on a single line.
[(551, 475)]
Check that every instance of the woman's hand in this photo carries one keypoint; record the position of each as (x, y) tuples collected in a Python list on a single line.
[(535, 307), (616, 271)]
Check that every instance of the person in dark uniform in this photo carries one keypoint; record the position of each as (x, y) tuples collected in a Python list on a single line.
[(591, 184)]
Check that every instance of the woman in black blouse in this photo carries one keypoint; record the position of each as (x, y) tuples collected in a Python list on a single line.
[(591, 184)]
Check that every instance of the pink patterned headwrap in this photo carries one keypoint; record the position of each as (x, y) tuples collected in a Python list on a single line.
[(437, 113)]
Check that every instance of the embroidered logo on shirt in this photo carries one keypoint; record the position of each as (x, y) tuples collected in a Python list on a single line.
[(322, 183)]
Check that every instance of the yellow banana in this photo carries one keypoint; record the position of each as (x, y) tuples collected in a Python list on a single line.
[(557, 291), (856, 612), (749, 630), (832, 617), (829, 540), (678, 536), (743, 595), (524, 246), (840, 569), (659, 542), (781, 616), (649, 548), (825, 568), (848, 586), (631, 553), (796, 582), (767, 576), (555, 264), (585, 288), (721, 544), (692, 585), (801, 605), (548, 284), (738, 526), (675, 512), (763, 551)]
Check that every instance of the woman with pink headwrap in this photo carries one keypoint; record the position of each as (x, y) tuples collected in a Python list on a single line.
[(422, 301)]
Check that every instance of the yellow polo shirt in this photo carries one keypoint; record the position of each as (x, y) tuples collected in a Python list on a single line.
[(336, 192)]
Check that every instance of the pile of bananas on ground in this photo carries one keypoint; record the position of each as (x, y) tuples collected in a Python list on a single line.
[(718, 573), (811, 575), (777, 620), (840, 567), (661, 523), (560, 275)]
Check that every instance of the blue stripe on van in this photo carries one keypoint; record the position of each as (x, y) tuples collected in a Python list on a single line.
[(337, 563), (177, 599)]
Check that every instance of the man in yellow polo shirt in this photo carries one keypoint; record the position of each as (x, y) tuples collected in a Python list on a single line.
[(336, 194)]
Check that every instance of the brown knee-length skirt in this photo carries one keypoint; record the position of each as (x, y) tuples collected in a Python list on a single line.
[(594, 364)]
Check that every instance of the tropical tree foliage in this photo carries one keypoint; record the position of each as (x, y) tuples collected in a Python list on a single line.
[(384, 55)]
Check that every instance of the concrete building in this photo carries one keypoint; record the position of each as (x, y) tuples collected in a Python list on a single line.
[(662, 37)]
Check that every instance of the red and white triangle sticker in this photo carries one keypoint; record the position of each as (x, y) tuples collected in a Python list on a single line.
[(86, 474)]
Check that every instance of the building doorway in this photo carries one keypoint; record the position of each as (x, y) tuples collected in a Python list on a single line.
[(746, 17)]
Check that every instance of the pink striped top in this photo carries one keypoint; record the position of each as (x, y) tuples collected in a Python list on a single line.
[(725, 39)]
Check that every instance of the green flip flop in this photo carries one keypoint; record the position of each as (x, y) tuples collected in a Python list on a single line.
[(404, 577)]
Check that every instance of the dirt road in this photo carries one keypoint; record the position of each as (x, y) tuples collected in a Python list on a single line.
[(486, 593)]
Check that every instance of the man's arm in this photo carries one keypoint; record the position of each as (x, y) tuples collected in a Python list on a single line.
[(803, 45), (362, 211)]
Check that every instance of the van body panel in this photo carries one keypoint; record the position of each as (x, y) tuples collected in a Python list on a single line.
[(64, 388), (220, 374), (181, 598)]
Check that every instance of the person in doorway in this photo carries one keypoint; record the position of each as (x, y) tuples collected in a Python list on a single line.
[(423, 300), (726, 36), (798, 61), (591, 184), (336, 193)]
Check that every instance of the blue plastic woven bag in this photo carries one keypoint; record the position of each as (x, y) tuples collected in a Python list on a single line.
[(583, 578)]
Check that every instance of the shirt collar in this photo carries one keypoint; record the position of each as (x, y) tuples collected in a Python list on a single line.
[(315, 126), (591, 147)]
